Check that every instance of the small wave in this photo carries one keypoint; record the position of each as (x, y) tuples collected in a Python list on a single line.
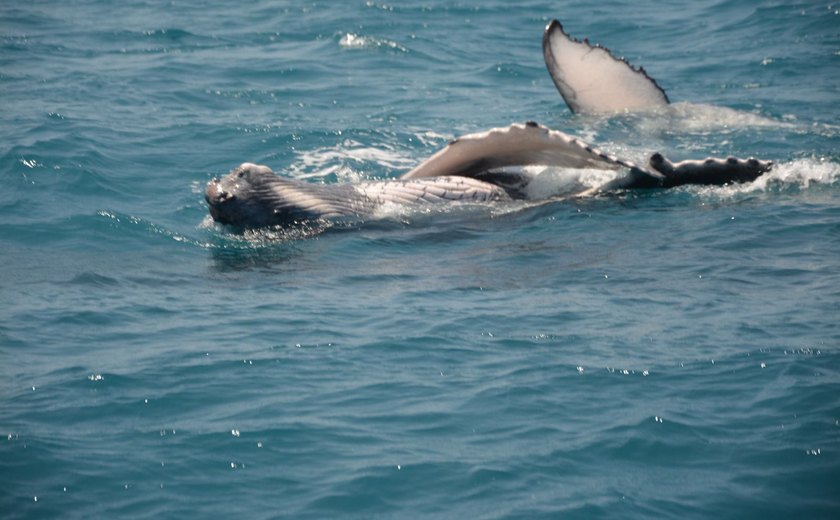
[(92, 279), (430, 138), (123, 221), (355, 41)]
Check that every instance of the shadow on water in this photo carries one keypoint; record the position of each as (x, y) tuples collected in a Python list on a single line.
[(228, 259), (236, 249), (240, 250), (271, 249)]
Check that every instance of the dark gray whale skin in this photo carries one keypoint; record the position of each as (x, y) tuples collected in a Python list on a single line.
[(253, 196), (711, 171)]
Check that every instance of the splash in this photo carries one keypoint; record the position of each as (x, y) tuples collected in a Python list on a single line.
[(131, 222), (231, 239), (800, 173), (796, 175)]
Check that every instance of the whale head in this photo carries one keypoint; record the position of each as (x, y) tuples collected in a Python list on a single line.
[(253, 196), (243, 197)]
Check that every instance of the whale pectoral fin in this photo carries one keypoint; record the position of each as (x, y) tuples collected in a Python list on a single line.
[(592, 80), (709, 171), (528, 144)]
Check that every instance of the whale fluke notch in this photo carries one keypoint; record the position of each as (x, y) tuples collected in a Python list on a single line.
[(592, 80), (528, 144)]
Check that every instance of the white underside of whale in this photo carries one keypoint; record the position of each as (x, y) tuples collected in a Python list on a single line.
[(592, 80)]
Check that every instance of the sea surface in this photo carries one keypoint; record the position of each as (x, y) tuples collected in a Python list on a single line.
[(651, 354)]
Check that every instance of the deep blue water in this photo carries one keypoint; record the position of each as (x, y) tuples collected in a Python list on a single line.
[(659, 354)]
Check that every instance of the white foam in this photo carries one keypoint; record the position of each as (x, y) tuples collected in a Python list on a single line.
[(324, 161), (799, 174), (699, 119), (693, 117), (430, 138)]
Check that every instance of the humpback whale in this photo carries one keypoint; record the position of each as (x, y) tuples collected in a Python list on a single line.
[(471, 168), (487, 167)]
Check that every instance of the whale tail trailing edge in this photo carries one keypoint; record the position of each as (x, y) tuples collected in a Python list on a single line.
[(592, 80)]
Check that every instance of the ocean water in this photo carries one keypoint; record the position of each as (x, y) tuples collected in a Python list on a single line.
[(644, 354)]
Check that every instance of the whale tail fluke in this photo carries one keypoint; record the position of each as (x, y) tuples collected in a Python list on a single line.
[(592, 80)]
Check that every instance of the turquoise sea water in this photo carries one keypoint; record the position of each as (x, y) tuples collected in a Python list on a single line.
[(659, 354)]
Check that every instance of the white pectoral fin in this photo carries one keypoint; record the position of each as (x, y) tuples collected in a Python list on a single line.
[(592, 80), (526, 144)]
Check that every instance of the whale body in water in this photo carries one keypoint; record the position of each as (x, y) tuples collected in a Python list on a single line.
[(487, 167)]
